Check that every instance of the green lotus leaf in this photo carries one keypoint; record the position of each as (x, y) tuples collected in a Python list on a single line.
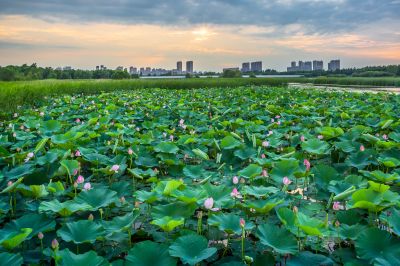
[(66, 257), (251, 171), (309, 258), (394, 221), (175, 210), (287, 217), (146, 161), (229, 143), (83, 231), (189, 195), (68, 167), (389, 161), (315, 146), (149, 253), (121, 223), (230, 223), (350, 231), (37, 222), (10, 259), (50, 126), (382, 177), (166, 147), (260, 192), (20, 171), (194, 171), (264, 206), (168, 223), (311, 226), (97, 198), (191, 249), (64, 209), (373, 244), (330, 132), (12, 239), (139, 173), (285, 167), (359, 160), (69, 136), (279, 239)]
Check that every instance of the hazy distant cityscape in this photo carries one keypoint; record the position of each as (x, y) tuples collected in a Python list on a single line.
[(247, 67)]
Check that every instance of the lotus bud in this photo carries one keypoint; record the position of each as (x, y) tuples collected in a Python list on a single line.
[(90, 217), (40, 235), (54, 244)]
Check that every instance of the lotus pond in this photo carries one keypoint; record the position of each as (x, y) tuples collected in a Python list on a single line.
[(252, 175)]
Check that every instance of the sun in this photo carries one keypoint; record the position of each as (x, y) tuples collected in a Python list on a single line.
[(202, 34)]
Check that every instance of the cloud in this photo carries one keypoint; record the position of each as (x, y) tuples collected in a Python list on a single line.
[(316, 16)]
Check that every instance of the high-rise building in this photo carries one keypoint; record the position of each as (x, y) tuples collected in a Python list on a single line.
[(256, 66), (179, 66), (307, 66), (318, 65), (245, 67), (189, 67), (132, 70), (120, 68), (334, 65), (97, 67)]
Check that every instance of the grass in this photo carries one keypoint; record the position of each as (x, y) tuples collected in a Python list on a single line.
[(13, 94)]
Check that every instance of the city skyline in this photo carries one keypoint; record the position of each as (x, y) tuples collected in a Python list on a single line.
[(79, 34)]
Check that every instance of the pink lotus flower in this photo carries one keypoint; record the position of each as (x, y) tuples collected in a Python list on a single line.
[(80, 179), (265, 144), (41, 114), (87, 186), (277, 116), (235, 193), (130, 151), (302, 138), (209, 203), (264, 173), (320, 137), (286, 181), (115, 168), (181, 122), (362, 148), (77, 120), (272, 120), (242, 222), (235, 180), (279, 122), (171, 138), (9, 183), (40, 235), (270, 133), (336, 206), (263, 156), (122, 200), (385, 137), (29, 156), (307, 164), (54, 244), (77, 153)]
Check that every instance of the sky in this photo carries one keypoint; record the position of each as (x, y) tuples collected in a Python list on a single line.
[(214, 34)]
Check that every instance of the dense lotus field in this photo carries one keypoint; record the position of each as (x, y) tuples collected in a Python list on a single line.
[(256, 176)]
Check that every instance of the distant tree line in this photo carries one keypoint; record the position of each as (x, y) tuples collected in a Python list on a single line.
[(369, 71), (33, 72)]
